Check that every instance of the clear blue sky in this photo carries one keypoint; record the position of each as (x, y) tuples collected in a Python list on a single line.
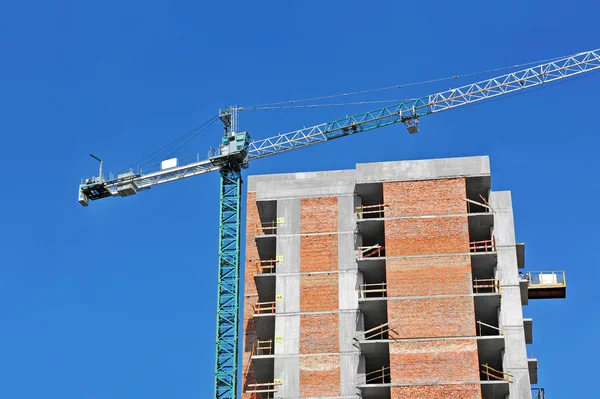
[(117, 301)]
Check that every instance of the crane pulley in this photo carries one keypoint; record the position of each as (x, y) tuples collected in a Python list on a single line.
[(237, 150)]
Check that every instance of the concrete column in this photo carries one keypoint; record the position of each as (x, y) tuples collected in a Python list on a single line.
[(286, 362), (511, 312), (349, 324)]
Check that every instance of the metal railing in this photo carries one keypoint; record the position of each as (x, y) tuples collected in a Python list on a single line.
[(380, 376), (373, 251), (481, 325), (266, 228), (546, 279), (372, 290), (371, 211), (264, 308), (482, 246), (262, 348), (486, 285), (495, 374)]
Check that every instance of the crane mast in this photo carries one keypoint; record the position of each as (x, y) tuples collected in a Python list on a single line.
[(230, 158), (236, 150)]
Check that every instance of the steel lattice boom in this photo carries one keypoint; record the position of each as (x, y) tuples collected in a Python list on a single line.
[(236, 150)]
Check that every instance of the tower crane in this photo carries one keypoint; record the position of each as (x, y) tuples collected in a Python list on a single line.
[(236, 150)]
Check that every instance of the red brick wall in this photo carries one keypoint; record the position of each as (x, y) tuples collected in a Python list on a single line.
[(426, 197), (318, 253), (436, 275), (250, 297), (431, 361), (418, 236), (252, 220), (426, 236), (319, 333), (432, 317), (437, 392), (319, 376), (319, 292), (318, 215)]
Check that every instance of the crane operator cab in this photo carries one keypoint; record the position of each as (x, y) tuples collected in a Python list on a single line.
[(232, 151)]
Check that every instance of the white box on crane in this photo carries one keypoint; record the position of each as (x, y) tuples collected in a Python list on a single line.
[(168, 163)]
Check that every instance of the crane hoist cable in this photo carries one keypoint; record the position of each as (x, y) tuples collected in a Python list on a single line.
[(158, 154), (154, 158), (400, 86)]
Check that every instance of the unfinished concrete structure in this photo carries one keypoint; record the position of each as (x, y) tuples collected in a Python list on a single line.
[(393, 280)]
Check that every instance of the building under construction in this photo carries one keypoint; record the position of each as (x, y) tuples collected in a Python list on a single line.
[(392, 280)]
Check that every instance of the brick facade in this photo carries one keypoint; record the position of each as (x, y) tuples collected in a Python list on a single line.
[(250, 293), (429, 292), (319, 376), (318, 215), (434, 361), (466, 391), (434, 275), (432, 317), (319, 292), (429, 287), (318, 253), (425, 197)]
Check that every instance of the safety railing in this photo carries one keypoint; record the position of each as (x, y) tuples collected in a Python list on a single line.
[(486, 285), (379, 376), (495, 374), (262, 348), (372, 290), (267, 266), (263, 390), (484, 246), (371, 211), (266, 228), (264, 308), (481, 206), (378, 332), (373, 251), (538, 393), (546, 279), (481, 327)]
